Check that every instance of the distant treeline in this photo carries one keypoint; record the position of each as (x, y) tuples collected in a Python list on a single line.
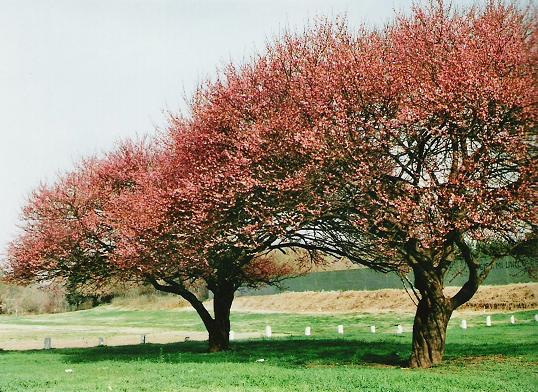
[(20, 300), (55, 298)]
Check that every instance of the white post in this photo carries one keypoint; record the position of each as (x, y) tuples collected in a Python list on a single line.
[(372, 328), (143, 339), (232, 335), (536, 317), (268, 332), (464, 324), (101, 341), (340, 329), (399, 329), (512, 320), (47, 344), (488, 321), (308, 331)]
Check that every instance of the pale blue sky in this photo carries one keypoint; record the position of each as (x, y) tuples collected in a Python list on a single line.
[(76, 76)]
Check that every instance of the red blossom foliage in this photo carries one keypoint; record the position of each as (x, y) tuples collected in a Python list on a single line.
[(398, 149)]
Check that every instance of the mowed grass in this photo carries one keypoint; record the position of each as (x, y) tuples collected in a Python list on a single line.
[(499, 358)]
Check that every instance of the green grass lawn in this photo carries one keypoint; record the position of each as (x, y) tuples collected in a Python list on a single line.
[(500, 358)]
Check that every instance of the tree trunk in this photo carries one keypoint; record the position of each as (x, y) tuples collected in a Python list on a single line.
[(219, 339), (434, 309), (218, 326), (431, 318), (429, 331), (219, 331)]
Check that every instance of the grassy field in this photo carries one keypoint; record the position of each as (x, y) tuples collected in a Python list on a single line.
[(499, 358)]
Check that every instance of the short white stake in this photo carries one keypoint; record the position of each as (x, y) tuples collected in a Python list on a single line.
[(512, 320), (101, 341), (399, 329), (232, 335), (268, 332), (464, 324), (47, 344), (341, 329), (308, 331), (372, 328), (488, 321)]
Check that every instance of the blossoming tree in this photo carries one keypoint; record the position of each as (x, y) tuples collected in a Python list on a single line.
[(162, 213), (399, 149), (454, 112)]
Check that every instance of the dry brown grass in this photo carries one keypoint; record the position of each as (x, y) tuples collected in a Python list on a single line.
[(500, 298), (519, 296), (506, 297)]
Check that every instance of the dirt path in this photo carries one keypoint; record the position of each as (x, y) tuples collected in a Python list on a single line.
[(31, 337)]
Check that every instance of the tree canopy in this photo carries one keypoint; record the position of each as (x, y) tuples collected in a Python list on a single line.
[(400, 149)]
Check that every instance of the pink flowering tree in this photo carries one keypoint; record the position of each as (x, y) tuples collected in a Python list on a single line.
[(403, 150), (451, 155), (399, 149), (185, 223), (160, 213), (201, 204)]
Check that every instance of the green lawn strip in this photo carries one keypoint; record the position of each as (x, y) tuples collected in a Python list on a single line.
[(313, 365)]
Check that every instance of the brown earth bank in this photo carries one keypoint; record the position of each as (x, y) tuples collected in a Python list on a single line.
[(507, 297)]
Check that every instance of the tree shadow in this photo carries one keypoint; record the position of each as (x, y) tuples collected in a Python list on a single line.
[(289, 353), (285, 353)]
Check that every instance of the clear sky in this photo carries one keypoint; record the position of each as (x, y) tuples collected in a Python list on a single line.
[(76, 76)]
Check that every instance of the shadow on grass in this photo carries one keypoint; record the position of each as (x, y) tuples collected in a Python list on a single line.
[(300, 352), (287, 353)]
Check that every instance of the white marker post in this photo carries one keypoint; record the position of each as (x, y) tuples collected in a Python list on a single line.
[(340, 329), (232, 335), (463, 324), (47, 344), (308, 331), (372, 328), (268, 332), (399, 329), (488, 321), (512, 320), (101, 341)]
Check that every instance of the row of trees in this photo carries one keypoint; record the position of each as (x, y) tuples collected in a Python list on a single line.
[(400, 149)]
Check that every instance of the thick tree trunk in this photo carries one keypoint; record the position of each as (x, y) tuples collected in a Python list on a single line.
[(434, 309), (219, 331), (219, 339), (217, 326), (431, 318), (429, 331)]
